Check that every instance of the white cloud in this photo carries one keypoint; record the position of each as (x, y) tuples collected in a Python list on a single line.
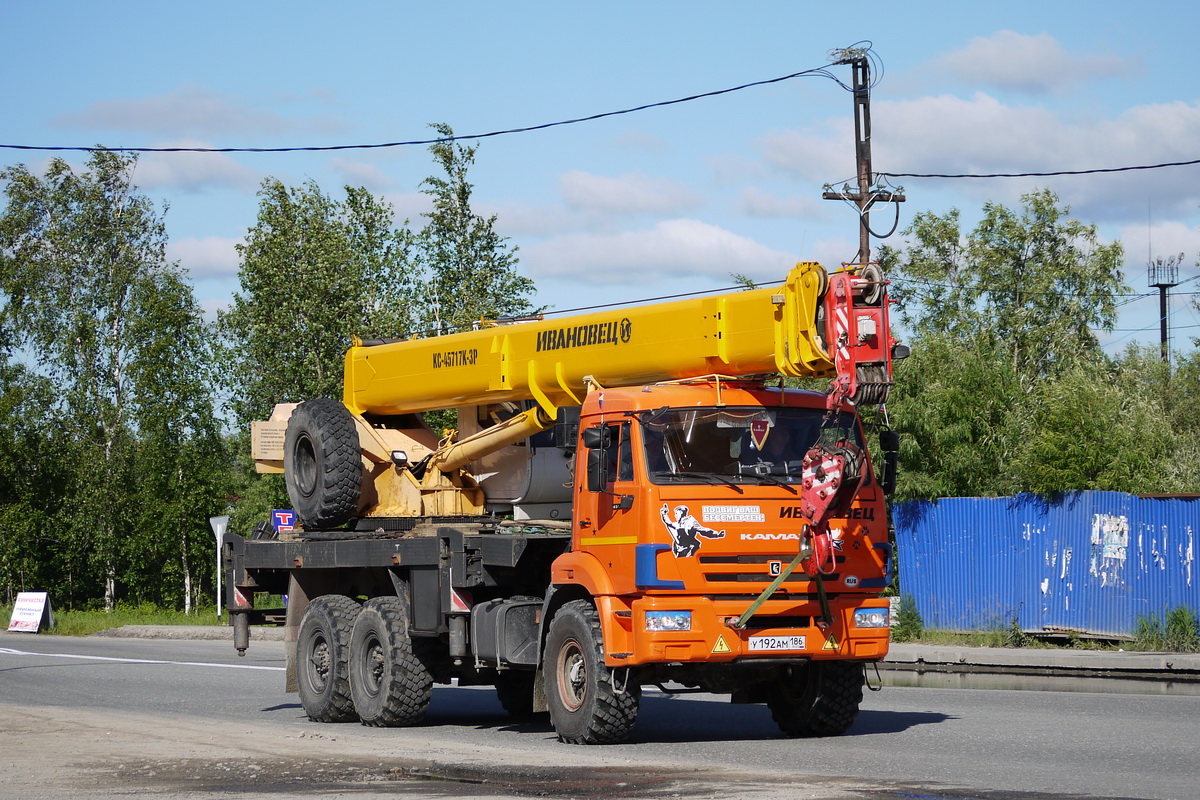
[(534, 221), (980, 134), (824, 156), (190, 110), (360, 173), (410, 206), (1165, 239), (676, 249), (206, 258), (192, 172), (754, 202), (949, 134), (633, 193), (1008, 60), (832, 252), (213, 306)]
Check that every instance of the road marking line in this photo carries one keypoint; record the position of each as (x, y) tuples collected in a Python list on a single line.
[(11, 652)]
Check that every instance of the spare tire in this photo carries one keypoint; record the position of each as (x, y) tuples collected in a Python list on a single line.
[(322, 464)]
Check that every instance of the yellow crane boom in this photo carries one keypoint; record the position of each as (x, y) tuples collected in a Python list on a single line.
[(752, 332)]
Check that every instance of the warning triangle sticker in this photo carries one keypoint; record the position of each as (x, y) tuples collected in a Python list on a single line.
[(721, 646), (458, 603), (831, 643)]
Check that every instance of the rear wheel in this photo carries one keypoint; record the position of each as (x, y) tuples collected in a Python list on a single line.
[(585, 706), (820, 699), (390, 684), (322, 654), (322, 464)]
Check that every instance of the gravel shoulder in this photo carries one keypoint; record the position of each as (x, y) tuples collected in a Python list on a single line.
[(51, 752)]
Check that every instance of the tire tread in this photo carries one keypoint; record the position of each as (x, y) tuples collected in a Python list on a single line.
[(337, 705), (612, 715)]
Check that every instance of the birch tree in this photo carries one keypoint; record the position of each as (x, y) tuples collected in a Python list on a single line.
[(469, 270), (85, 282)]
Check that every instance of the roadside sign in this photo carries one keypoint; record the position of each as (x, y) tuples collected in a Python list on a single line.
[(31, 613)]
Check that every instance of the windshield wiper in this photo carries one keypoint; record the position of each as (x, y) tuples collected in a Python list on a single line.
[(710, 477), (761, 472), (771, 479)]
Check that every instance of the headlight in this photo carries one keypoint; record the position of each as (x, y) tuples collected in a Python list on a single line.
[(871, 618), (668, 620)]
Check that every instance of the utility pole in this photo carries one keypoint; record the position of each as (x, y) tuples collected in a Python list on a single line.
[(1162, 274), (867, 194)]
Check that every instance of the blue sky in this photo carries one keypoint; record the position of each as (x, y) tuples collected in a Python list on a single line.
[(664, 201)]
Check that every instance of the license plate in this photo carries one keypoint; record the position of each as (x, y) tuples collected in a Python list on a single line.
[(771, 644)]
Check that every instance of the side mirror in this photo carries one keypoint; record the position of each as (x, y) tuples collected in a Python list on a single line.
[(597, 436), (887, 481), (889, 443), (597, 466)]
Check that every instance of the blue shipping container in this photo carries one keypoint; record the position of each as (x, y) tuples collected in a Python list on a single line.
[(1091, 562)]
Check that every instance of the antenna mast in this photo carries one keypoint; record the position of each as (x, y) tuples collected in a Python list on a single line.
[(1162, 274)]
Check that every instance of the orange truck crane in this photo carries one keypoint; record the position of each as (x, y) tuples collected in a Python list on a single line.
[(632, 497)]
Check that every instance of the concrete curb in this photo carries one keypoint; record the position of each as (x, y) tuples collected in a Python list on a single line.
[(1180, 665), (201, 632), (1050, 669)]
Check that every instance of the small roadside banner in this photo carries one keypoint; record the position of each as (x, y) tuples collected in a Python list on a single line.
[(31, 613)]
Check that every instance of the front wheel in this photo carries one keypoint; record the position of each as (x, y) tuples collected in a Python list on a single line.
[(821, 699), (585, 706)]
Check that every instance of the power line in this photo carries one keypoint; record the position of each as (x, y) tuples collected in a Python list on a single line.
[(822, 72), (1039, 174), (1131, 332), (1132, 297)]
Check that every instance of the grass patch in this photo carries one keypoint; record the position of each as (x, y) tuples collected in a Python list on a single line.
[(1002, 637), (1178, 632), (909, 626), (83, 623)]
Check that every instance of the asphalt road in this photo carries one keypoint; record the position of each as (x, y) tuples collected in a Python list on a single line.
[(175, 719)]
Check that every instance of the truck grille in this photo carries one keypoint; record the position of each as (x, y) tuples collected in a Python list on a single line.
[(754, 568)]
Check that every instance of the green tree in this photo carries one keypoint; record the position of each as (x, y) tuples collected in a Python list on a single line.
[(1002, 322), (1111, 425), (958, 408), (1179, 387), (85, 280), (470, 270), (29, 481), (1035, 280), (318, 271), (181, 458), (315, 273)]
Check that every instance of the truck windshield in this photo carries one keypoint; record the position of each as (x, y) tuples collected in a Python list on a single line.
[(741, 444)]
